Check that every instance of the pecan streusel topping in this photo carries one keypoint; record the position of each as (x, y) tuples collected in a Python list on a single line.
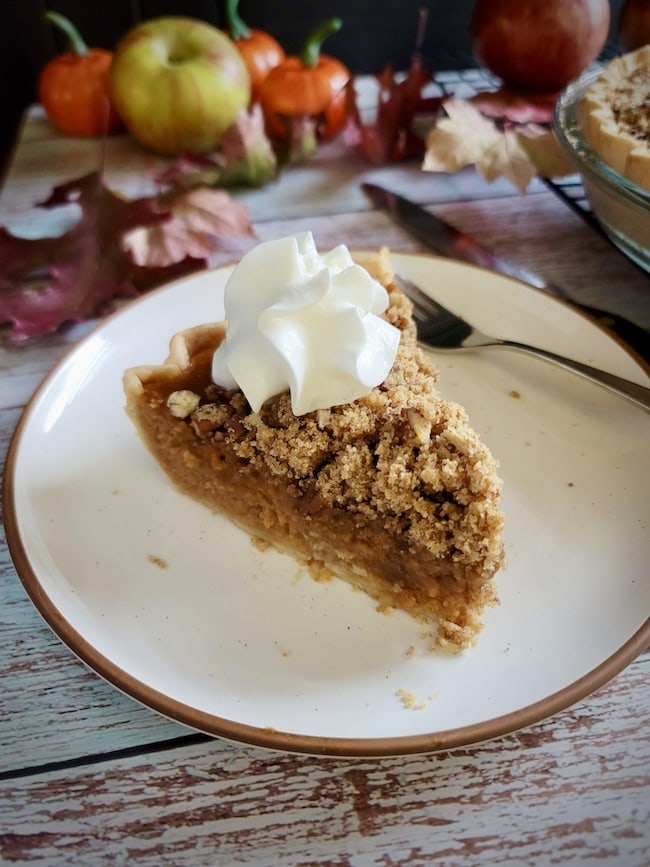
[(401, 454)]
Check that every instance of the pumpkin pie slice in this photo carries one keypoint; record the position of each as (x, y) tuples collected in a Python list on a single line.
[(393, 492)]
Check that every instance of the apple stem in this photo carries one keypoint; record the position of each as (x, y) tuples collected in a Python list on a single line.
[(76, 43), (311, 51), (237, 27)]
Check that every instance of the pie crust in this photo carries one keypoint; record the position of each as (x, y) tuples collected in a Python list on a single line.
[(616, 116), (394, 493)]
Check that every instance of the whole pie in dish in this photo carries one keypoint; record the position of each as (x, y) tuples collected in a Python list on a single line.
[(394, 492), (616, 115)]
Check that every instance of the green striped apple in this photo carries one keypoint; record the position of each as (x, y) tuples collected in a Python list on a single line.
[(178, 83)]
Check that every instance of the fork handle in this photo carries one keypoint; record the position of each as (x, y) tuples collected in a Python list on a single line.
[(638, 394)]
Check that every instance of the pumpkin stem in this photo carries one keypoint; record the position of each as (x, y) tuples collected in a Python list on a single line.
[(311, 50), (237, 27), (75, 41)]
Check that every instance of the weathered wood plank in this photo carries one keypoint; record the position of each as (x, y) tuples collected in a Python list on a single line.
[(527, 228), (55, 710), (519, 800), (306, 189), (52, 705)]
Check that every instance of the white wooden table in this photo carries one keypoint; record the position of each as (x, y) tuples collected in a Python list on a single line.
[(88, 776)]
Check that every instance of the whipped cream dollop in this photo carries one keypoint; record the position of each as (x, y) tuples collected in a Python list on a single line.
[(303, 321)]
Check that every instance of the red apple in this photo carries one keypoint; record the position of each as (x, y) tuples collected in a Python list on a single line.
[(539, 45), (634, 24), (178, 84)]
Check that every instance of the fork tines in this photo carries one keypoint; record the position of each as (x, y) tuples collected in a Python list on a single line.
[(435, 324)]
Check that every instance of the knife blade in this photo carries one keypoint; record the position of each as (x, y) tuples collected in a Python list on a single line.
[(446, 240)]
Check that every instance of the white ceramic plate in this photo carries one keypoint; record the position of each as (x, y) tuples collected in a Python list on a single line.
[(178, 609)]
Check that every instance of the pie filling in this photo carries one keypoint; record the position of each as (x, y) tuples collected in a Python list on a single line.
[(393, 492)]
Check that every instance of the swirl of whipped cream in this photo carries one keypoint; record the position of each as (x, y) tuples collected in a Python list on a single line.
[(305, 322)]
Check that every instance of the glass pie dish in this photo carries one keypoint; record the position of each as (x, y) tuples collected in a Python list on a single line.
[(621, 206)]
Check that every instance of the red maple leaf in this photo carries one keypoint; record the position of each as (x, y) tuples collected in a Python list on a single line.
[(46, 282), (392, 135)]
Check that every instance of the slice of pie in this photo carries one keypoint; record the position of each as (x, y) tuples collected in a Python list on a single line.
[(393, 492), (616, 115)]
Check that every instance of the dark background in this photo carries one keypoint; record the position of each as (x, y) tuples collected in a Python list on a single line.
[(374, 33)]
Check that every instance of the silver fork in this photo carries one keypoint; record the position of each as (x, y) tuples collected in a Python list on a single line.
[(442, 329)]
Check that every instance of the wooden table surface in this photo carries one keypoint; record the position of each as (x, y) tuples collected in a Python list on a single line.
[(89, 776)]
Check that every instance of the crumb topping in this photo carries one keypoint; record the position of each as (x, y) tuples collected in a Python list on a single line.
[(631, 104), (401, 455)]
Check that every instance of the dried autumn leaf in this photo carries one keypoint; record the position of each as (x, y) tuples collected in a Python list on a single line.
[(246, 150), (45, 282), (393, 133), (517, 152), (197, 219), (245, 157), (300, 140), (506, 104), (466, 138)]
